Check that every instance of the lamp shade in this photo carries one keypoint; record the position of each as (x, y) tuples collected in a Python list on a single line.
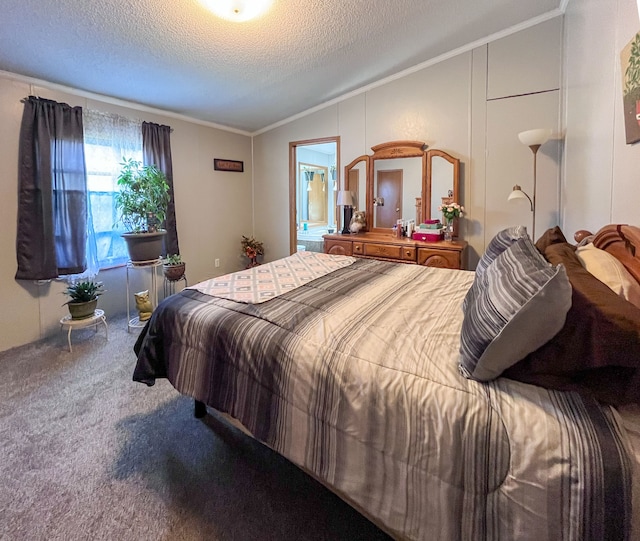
[(517, 193), (345, 197), (535, 137)]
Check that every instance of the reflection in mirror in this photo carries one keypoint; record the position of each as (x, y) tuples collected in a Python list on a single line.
[(355, 180), (441, 183), (396, 184), (443, 179)]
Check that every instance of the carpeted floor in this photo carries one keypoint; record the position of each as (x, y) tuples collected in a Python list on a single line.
[(86, 453)]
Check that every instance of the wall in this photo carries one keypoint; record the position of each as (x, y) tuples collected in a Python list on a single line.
[(213, 208), (600, 176), (472, 105)]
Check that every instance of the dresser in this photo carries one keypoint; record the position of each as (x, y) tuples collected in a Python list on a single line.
[(449, 255)]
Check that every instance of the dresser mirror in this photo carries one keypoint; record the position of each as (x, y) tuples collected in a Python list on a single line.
[(443, 174), (405, 181)]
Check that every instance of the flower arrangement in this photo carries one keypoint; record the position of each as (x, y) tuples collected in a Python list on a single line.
[(252, 247), (451, 211)]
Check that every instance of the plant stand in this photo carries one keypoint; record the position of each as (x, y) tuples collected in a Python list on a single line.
[(170, 285), (152, 265), (71, 324)]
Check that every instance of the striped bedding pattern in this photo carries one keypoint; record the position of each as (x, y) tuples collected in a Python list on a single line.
[(354, 377)]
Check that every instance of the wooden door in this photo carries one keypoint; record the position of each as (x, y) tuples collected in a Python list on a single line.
[(389, 185), (317, 200)]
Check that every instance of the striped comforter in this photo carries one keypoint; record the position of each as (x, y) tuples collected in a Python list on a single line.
[(354, 377)]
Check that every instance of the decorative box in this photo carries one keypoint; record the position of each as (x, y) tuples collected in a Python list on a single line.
[(434, 235)]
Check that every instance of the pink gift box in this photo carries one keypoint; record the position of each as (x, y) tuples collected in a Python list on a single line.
[(428, 237)]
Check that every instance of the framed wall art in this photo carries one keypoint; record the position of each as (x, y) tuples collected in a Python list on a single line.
[(228, 165), (630, 64)]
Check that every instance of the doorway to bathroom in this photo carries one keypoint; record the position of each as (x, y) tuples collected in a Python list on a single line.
[(313, 187)]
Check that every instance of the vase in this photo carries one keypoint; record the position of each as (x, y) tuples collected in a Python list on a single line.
[(253, 262), (448, 230)]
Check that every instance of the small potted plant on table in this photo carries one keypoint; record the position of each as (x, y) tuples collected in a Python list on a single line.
[(83, 298), (173, 267)]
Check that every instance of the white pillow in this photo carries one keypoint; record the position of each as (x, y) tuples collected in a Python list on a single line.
[(606, 268)]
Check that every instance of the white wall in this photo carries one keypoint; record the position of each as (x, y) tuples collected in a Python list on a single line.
[(213, 209), (601, 176), (472, 105)]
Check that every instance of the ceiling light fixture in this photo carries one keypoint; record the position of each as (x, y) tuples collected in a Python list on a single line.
[(237, 10)]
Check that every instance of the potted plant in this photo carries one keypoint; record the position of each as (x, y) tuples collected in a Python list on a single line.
[(173, 267), (252, 248), (83, 298), (142, 204)]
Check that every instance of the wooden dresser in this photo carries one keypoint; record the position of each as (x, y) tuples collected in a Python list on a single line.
[(449, 255)]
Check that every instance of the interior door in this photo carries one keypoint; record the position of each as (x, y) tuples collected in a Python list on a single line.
[(390, 190)]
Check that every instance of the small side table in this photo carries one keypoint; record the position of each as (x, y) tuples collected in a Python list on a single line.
[(170, 285), (97, 317), (152, 265)]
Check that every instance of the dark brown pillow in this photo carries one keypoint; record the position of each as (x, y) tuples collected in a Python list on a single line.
[(549, 237), (598, 350)]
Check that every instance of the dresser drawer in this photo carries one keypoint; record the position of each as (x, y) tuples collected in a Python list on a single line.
[(389, 251), (337, 247), (409, 253), (446, 259), (358, 248)]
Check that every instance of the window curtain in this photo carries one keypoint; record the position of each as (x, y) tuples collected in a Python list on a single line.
[(156, 148), (109, 138), (52, 191)]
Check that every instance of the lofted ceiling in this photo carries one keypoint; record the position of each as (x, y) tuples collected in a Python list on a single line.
[(176, 56)]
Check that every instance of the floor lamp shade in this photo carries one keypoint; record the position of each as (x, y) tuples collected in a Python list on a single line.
[(538, 136), (534, 139)]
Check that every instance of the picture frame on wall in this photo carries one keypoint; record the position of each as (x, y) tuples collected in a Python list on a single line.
[(630, 68), (234, 166)]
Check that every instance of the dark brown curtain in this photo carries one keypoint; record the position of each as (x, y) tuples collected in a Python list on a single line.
[(52, 191), (156, 150)]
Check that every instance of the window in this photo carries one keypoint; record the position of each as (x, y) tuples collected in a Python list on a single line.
[(108, 138)]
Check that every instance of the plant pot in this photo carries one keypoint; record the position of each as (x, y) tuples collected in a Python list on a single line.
[(144, 246), (82, 310), (173, 273)]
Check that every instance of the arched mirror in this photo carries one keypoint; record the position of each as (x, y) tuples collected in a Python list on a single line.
[(397, 176), (442, 183), (355, 181)]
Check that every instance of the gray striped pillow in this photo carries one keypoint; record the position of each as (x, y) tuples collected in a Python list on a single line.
[(499, 243), (518, 304)]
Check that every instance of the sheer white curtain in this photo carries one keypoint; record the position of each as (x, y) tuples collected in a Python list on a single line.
[(108, 139)]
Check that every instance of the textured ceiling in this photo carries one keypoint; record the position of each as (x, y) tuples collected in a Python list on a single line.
[(177, 56)]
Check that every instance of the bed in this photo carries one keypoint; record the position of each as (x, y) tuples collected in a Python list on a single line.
[(415, 393)]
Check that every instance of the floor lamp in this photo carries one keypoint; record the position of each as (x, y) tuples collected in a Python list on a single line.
[(534, 139), (345, 200)]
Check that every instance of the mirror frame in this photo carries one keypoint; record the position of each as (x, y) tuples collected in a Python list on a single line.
[(387, 151), (347, 168), (427, 186)]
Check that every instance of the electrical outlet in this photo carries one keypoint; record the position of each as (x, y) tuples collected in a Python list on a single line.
[(217, 263)]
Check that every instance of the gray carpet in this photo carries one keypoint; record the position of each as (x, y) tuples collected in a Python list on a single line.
[(86, 453)]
